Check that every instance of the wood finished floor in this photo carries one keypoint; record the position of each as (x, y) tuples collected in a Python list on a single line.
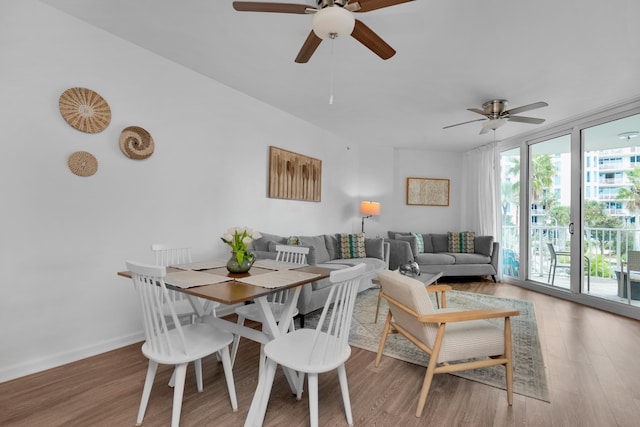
[(592, 358)]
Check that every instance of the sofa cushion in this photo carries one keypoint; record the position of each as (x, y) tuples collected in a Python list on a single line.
[(351, 245), (262, 244), (332, 246), (435, 259), (374, 248), (413, 241), (324, 283), (471, 258), (392, 234), (483, 245), (428, 244), (373, 264), (440, 242), (462, 242), (316, 244)]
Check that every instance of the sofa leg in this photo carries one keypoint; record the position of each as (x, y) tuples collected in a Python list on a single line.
[(301, 317), (493, 276)]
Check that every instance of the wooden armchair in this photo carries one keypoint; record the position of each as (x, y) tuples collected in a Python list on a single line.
[(445, 334)]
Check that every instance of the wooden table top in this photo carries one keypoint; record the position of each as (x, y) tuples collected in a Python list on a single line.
[(234, 292)]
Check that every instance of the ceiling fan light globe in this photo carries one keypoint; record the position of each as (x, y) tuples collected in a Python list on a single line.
[(494, 124), (333, 21)]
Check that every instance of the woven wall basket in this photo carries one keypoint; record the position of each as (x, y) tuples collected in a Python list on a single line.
[(136, 143), (85, 110), (83, 163)]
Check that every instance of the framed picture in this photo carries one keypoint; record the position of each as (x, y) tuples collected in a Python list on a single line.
[(294, 176), (428, 191)]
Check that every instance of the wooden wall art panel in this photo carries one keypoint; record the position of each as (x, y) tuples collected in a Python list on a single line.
[(428, 191), (294, 176)]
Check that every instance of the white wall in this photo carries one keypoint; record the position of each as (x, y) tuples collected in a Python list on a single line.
[(64, 237), (383, 178)]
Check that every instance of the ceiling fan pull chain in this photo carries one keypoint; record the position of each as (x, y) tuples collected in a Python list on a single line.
[(332, 65)]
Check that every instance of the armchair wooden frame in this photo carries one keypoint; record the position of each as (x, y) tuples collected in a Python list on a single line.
[(442, 319)]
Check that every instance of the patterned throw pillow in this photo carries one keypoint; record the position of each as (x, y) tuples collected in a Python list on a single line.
[(351, 245), (462, 242), (293, 241), (420, 242)]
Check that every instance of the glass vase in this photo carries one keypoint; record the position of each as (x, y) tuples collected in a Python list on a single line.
[(240, 267)]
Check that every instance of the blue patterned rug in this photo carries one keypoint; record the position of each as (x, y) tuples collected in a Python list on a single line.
[(529, 371)]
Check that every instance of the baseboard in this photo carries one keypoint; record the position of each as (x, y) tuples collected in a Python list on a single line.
[(59, 359)]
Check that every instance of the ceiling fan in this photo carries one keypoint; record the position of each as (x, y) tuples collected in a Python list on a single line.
[(331, 18), (496, 114)]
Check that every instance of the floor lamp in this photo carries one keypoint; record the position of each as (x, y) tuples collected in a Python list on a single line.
[(369, 209)]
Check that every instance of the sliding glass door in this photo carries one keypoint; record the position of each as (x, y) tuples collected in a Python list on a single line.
[(570, 211), (550, 225), (611, 182), (510, 211)]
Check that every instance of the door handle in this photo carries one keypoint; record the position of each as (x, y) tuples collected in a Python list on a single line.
[(570, 228)]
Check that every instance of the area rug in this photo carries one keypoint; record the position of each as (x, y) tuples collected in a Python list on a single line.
[(529, 371)]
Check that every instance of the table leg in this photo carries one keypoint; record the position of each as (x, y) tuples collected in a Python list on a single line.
[(273, 330)]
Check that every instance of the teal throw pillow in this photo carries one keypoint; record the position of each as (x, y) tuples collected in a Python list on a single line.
[(420, 242)]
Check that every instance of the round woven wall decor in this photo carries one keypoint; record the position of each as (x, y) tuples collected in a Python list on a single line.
[(85, 110), (136, 143), (83, 163)]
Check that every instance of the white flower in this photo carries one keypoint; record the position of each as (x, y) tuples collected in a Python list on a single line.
[(246, 240), (255, 235), (232, 230), (228, 237)]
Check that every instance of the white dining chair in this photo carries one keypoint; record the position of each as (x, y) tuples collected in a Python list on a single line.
[(314, 351), (167, 255), (177, 346), (284, 253)]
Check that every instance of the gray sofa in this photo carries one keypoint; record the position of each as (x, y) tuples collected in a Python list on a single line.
[(324, 252), (436, 256)]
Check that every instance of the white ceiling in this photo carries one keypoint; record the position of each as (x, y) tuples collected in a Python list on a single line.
[(577, 55)]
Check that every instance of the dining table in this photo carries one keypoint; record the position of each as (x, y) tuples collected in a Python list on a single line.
[(210, 280)]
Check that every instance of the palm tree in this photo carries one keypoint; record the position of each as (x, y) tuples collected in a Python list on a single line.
[(543, 172), (631, 196)]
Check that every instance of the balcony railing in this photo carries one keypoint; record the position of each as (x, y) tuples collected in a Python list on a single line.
[(605, 247)]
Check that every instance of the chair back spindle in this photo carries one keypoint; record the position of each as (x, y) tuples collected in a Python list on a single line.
[(154, 299), (331, 336), (291, 254)]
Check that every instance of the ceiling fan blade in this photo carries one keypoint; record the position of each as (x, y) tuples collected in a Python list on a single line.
[(476, 110), (527, 107), (367, 37), (521, 119), (310, 45), (369, 5), (254, 6), (463, 123)]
